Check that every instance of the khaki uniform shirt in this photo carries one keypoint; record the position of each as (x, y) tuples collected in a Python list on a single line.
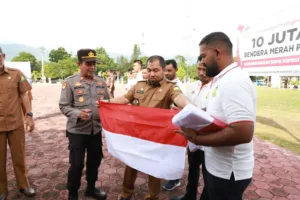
[(12, 85), (78, 94), (162, 96)]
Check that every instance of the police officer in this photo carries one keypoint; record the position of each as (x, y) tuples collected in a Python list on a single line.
[(155, 92), (77, 102), (13, 88)]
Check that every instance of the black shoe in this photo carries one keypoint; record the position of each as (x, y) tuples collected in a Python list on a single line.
[(183, 197), (28, 192), (73, 197), (95, 193)]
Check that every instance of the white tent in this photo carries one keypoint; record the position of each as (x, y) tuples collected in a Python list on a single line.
[(23, 66)]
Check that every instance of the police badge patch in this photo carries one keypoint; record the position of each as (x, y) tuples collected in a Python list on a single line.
[(64, 85)]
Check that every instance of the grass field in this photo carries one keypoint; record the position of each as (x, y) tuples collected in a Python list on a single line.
[(278, 117)]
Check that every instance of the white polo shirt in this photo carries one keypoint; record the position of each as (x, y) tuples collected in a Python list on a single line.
[(197, 94), (232, 99)]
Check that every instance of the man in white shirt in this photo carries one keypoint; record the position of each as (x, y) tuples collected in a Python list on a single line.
[(170, 73), (137, 68), (197, 93), (229, 157), (145, 73)]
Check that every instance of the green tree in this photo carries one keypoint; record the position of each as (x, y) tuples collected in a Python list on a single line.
[(25, 56), (67, 68), (181, 73), (36, 75), (136, 53), (104, 61), (123, 64), (52, 70), (192, 72), (59, 54), (182, 65), (144, 60), (62, 69)]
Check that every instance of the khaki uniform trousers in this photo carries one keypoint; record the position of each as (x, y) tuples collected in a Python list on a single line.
[(154, 184), (16, 141)]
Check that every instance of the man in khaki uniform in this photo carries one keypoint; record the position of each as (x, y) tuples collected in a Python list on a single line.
[(155, 92), (13, 93), (77, 102)]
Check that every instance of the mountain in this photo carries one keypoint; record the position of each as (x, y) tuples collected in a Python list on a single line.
[(11, 50)]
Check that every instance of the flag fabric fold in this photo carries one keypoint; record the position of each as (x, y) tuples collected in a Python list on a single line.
[(144, 139)]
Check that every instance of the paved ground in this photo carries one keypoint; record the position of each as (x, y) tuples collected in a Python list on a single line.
[(276, 174)]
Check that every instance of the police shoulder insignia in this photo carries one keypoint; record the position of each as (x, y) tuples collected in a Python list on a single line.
[(64, 85)]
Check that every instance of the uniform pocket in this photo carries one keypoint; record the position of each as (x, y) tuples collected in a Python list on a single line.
[(80, 98)]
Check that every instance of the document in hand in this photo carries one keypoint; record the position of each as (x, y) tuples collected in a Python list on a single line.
[(195, 118)]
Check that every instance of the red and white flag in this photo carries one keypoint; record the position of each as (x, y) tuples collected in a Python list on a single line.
[(144, 139)]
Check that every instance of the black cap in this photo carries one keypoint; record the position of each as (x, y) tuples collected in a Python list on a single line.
[(86, 55)]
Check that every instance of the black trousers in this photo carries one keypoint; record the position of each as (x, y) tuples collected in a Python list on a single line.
[(223, 189), (78, 144), (195, 159)]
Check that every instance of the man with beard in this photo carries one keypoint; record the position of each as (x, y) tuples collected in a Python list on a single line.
[(197, 94), (229, 158), (156, 92)]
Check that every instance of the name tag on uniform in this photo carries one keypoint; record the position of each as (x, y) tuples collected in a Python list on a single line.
[(140, 91)]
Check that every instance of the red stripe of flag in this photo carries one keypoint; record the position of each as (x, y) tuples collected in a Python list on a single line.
[(152, 124)]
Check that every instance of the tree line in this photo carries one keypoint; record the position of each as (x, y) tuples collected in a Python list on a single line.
[(62, 64)]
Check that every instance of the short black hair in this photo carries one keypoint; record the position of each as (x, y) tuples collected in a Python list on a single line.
[(199, 59), (144, 67), (159, 58), (138, 61), (218, 38), (172, 62)]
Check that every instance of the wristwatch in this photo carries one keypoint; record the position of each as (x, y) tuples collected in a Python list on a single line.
[(29, 114)]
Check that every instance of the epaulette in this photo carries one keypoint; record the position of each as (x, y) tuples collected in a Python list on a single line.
[(12, 69), (72, 76), (99, 77)]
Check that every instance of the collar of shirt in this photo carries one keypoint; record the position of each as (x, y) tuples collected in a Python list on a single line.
[(5, 69), (204, 85), (82, 78), (160, 82), (226, 70), (175, 80)]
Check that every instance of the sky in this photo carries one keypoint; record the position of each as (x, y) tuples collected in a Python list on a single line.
[(170, 27)]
